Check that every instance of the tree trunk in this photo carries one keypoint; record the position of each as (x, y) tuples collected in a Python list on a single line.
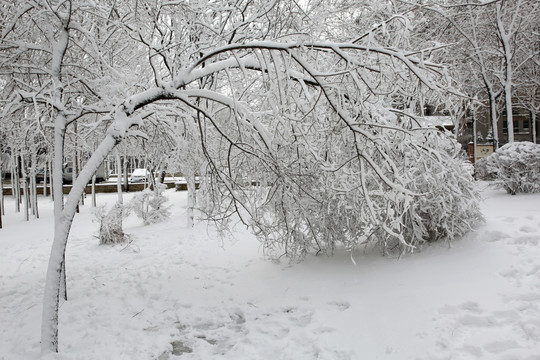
[(533, 126), (77, 162), (94, 191), (505, 38), (25, 189), (1, 187), (51, 179), (475, 140), (16, 184), (1, 194), (74, 173), (45, 173), (509, 115), (94, 202), (126, 180), (12, 175), (63, 220), (493, 115), (119, 179), (56, 269), (63, 281), (33, 185), (190, 179)]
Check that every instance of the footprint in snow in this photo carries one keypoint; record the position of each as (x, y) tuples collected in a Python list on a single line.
[(473, 350), (495, 236), (512, 273), (178, 348), (298, 317), (238, 317), (528, 229), (474, 332), (527, 240), (217, 333), (340, 305), (470, 320), (471, 306), (323, 330), (210, 341), (535, 271), (500, 346), (273, 329)]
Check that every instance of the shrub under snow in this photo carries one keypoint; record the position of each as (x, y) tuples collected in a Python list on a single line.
[(149, 205), (515, 166), (110, 224), (380, 186)]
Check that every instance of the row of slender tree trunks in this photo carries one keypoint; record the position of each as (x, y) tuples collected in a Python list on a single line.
[(23, 174), (23, 171)]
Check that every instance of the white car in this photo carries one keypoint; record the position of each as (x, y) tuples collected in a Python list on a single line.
[(139, 175)]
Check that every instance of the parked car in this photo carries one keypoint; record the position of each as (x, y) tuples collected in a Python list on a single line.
[(139, 175), (67, 175), (102, 173), (40, 176)]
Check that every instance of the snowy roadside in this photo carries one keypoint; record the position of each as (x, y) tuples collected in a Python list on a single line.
[(178, 293)]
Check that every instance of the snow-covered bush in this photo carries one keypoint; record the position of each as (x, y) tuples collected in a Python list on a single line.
[(379, 185), (515, 166), (445, 204), (149, 205), (110, 224)]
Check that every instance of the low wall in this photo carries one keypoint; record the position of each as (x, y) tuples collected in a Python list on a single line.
[(100, 188)]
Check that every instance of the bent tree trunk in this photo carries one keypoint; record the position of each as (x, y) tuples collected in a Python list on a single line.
[(64, 215), (64, 219)]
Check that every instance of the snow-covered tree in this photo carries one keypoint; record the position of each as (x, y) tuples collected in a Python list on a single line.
[(515, 21), (186, 156), (528, 94), (494, 41), (305, 119), (52, 52)]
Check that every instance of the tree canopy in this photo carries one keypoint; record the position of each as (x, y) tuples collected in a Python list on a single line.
[(305, 115)]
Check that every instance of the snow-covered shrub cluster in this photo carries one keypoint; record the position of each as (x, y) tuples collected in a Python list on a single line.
[(149, 205), (445, 204), (378, 185), (515, 167), (311, 155), (110, 224)]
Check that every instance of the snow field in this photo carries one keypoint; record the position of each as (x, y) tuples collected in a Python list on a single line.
[(178, 293)]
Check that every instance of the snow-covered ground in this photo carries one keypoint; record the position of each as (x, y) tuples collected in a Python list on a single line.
[(178, 293)]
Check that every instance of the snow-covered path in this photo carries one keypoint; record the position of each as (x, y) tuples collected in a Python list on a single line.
[(177, 293)]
